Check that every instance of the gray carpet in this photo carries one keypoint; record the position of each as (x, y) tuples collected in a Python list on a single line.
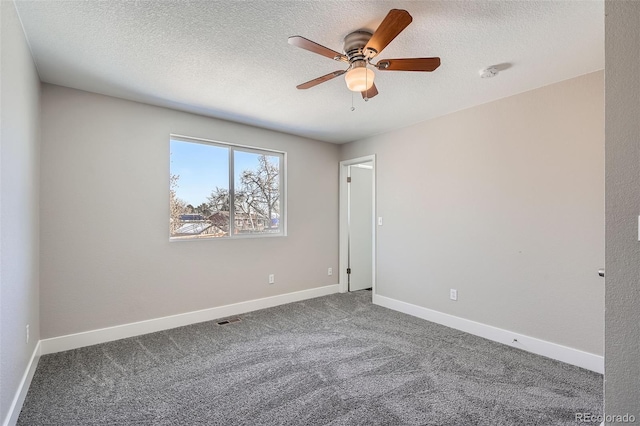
[(334, 360)]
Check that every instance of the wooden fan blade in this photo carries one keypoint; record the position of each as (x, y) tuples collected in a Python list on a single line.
[(319, 80), (314, 47), (392, 25), (368, 94), (408, 64)]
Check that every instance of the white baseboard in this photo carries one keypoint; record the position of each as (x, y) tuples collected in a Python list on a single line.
[(23, 388), (566, 354), (93, 337)]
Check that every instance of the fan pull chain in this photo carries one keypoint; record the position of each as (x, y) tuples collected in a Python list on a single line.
[(352, 107), (366, 84)]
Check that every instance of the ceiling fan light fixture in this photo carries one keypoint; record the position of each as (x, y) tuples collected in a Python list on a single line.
[(359, 78)]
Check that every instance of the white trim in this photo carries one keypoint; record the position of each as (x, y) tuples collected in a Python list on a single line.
[(343, 226), (23, 388), (195, 139), (108, 334), (555, 351)]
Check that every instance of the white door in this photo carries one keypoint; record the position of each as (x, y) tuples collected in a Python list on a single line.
[(360, 227)]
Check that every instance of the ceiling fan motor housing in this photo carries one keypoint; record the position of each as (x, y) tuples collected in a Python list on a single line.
[(354, 44)]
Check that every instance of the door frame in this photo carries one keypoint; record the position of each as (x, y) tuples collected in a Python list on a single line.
[(343, 224)]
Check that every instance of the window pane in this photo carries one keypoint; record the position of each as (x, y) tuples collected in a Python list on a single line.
[(257, 192), (199, 190)]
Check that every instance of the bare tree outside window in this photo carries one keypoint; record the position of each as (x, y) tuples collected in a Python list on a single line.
[(257, 196), (218, 201), (177, 207)]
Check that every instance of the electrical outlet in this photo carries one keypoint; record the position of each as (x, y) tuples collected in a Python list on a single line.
[(330, 271), (272, 279), (380, 221), (27, 333), (453, 294)]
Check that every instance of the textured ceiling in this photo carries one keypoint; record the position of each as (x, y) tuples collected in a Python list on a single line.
[(231, 59)]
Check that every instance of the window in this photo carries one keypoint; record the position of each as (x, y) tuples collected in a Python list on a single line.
[(219, 190)]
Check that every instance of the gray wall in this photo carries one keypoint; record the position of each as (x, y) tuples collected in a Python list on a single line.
[(622, 333), (19, 156), (106, 255), (505, 203)]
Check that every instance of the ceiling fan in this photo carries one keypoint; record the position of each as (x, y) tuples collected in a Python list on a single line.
[(360, 47)]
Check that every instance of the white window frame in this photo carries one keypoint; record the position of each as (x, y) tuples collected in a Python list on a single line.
[(232, 147)]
